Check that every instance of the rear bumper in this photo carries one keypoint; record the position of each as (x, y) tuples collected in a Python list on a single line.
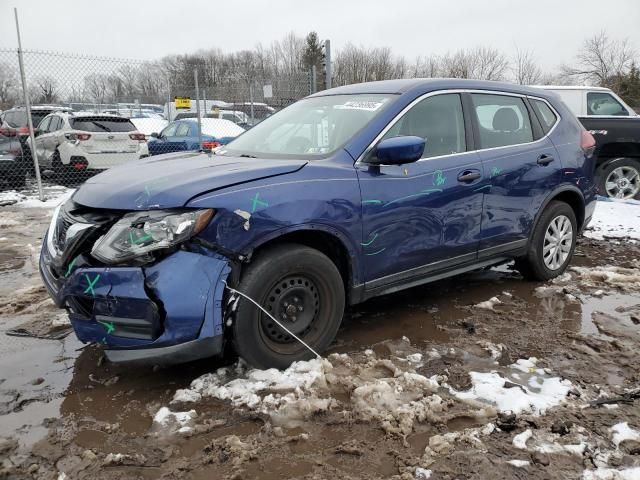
[(169, 312), (69, 151)]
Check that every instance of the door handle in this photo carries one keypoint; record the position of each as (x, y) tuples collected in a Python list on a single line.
[(545, 160), (468, 176)]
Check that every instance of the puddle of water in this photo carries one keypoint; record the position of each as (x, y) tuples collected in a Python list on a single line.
[(606, 304)]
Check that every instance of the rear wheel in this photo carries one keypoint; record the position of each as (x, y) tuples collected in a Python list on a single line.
[(552, 244), (300, 287), (620, 178)]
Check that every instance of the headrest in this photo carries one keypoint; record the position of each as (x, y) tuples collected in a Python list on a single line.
[(506, 120)]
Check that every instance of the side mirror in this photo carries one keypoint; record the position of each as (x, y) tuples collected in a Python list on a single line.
[(36, 132), (399, 150), (155, 135)]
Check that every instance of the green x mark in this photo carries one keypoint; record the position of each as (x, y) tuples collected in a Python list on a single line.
[(108, 325), (258, 203), (90, 289), (70, 267)]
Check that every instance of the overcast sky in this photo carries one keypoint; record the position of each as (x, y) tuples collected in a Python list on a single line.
[(148, 29)]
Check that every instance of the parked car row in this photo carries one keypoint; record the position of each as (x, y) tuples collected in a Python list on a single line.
[(68, 143)]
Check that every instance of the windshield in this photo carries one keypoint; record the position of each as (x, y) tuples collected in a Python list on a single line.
[(311, 128)]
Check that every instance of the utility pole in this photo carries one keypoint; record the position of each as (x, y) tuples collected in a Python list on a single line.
[(327, 59), (27, 104), (195, 77)]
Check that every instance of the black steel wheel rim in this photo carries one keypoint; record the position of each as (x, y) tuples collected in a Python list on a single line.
[(295, 301)]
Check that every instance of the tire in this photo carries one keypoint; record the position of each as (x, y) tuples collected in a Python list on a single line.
[(540, 261), (620, 178), (303, 289)]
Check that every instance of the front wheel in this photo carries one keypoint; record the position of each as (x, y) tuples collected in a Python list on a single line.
[(620, 178), (300, 287), (552, 244)]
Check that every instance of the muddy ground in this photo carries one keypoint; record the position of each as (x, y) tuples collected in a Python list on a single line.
[(399, 396)]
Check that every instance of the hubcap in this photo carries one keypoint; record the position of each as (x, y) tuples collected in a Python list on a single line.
[(295, 302), (623, 182), (557, 242)]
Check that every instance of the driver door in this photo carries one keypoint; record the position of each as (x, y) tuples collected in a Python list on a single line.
[(424, 216)]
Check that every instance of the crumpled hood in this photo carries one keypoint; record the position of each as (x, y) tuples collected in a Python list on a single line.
[(170, 181)]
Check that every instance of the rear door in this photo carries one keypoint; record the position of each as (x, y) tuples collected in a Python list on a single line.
[(521, 167), (422, 217), (41, 139)]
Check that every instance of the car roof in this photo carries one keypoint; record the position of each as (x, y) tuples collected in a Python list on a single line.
[(401, 86), (43, 107), (570, 87)]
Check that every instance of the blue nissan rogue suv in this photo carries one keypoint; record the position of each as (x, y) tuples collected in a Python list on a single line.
[(350, 193)]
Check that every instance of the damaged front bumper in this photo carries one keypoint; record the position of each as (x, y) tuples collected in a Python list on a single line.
[(167, 312)]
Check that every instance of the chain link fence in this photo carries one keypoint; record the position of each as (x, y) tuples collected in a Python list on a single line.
[(93, 113)]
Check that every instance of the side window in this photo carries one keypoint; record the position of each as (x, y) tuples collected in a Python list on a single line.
[(546, 116), (599, 103), (437, 119), (44, 124), (56, 123), (502, 120), (170, 130), (182, 130)]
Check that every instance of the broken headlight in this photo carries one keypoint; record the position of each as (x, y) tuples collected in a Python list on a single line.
[(137, 234)]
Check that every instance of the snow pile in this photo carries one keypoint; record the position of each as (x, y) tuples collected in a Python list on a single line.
[(168, 422), (609, 275), (521, 388), (612, 474), (54, 196), (615, 218), (622, 432), (379, 390), (547, 443), (488, 304)]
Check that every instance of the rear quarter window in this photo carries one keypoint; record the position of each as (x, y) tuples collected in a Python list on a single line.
[(545, 115), (97, 124)]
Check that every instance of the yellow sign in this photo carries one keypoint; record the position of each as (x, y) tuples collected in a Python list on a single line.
[(182, 102)]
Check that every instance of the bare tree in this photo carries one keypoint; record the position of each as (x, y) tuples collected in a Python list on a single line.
[(482, 63), (525, 69), (8, 86), (45, 89), (601, 60)]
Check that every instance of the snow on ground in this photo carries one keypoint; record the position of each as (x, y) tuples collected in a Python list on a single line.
[(622, 431), (615, 218), (167, 422), (520, 387), (53, 196), (612, 474)]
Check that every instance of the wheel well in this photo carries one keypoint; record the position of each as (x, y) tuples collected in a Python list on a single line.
[(575, 201), (324, 242)]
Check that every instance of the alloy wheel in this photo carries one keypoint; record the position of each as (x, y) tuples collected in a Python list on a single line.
[(558, 240), (623, 183)]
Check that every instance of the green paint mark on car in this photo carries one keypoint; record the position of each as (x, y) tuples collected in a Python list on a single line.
[(70, 267), (370, 241), (91, 283), (109, 326), (256, 203), (439, 178)]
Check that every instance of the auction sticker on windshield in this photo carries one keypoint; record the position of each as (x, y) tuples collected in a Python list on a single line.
[(360, 105)]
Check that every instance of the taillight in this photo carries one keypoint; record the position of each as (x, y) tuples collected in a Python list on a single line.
[(8, 132), (78, 136), (137, 136), (210, 145), (25, 131), (587, 142)]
